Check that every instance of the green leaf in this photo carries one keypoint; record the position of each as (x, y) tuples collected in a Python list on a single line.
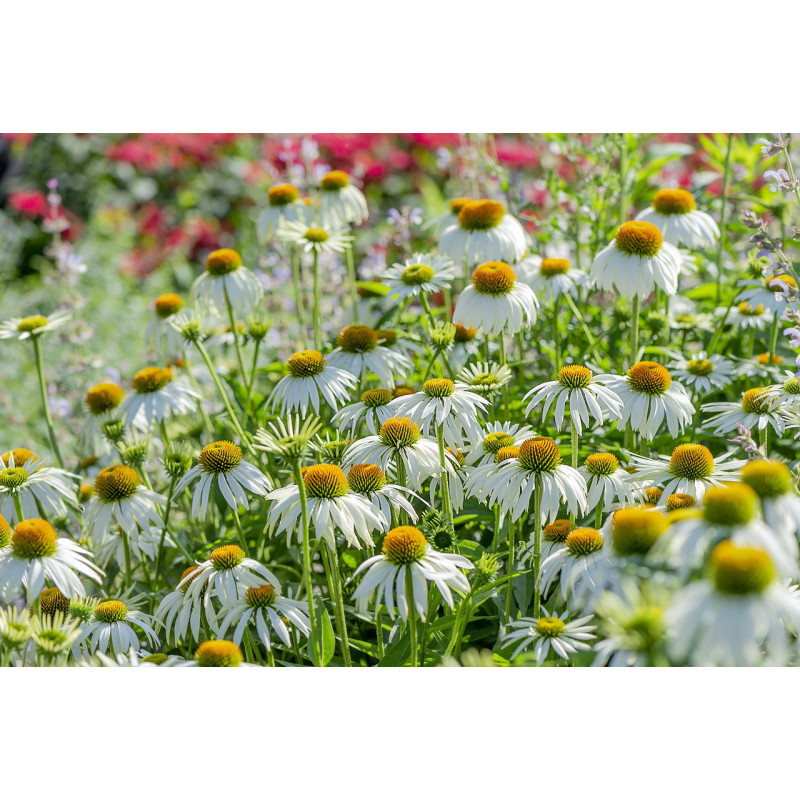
[(326, 642)]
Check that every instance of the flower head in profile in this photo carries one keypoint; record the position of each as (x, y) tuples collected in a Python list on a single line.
[(28, 480), (216, 653), (775, 486), (370, 481), (562, 636), (486, 378), (288, 439), (575, 565), (674, 212), (225, 283), (283, 205), (757, 410), (112, 625), (373, 410), (160, 333), (746, 315), (771, 295), (607, 483), (550, 278), (22, 328), (419, 275), (359, 351), (787, 394), (341, 203), (100, 404), (157, 394), (703, 373)]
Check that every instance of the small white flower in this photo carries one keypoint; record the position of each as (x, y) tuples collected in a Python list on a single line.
[(779, 177), (226, 282), (703, 374), (369, 480), (340, 202), (748, 316), (160, 333), (546, 632), (359, 352), (772, 296), (314, 240), (25, 327), (550, 278), (373, 410), (608, 485), (496, 436), (419, 275), (113, 625), (758, 409), (575, 565), (156, 395), (284, 205)]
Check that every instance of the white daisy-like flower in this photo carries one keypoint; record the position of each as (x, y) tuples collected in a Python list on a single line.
[(608, 485), (444, 405), (215, 653), (400, 441), (264, 609), (690, 470), (743, 617), (284, 205), (223, 464), (554, 534), (314, 240), (25, 327), (37, 555), (226, 282), (419, 275), (100, 403), (773, 483), (120, 498), (399, 576), (369, 480), (674, 212), (578, 391), (157, 394), (449, 217), (465, 346), (486, 377), (497, 435), (575, 565), (496, 301), (359, 352), (747, 316), (39, 489), (771, 296), (310, 380), (113, 625), (757, 410), (290, 439), (485, 231), (787, 394), (341, 203), (703, 374), (177, 612), (650, 397), (332, 508), (456, 481), (160, 333), (546, 632), (373, 410), (685, 316), (636, 262), (550, 278)]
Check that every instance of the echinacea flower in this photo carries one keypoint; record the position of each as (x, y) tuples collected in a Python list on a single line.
[(359, 352), (607, 484), (113, 625), (177, 612), (157, 394), (747, 316), (373, 410), (550, 278), (369, 480), (22, 328), (757, 410), (464, 347), (311, 239), (419, 275), (54, 634), (100, 403), (283, 205), (564, 637), (675, 213), (310, 380), (486, 377), (341, 203), (160, 332), (497, 435), (772, 296), (787, 394), (226, 283), (216, 653), (575, 564), (772, 482), (289, 440), (449, 216), (39, 489), (702, 373)]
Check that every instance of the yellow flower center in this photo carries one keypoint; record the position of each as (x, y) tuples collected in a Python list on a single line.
[(260, 596), (575, 377), (5, 532), (756, 401), (464, 334), (51, 601), (417, 274), (386, 337), (676, 502), (494, 277), (506, 453), (774, 287), (399, 432), (33, 538), (168, 304), (110, 611), (283, 194), (185, 573), (484, 380), (635, 530), (325, 480), (28, 324), (357, 339), (402, 390), (539, 454), (639, 238), (334, 181), (438, 387), (218, 654), (366, 478), (554, 266), (220, 457), (691, 461), (648, 377), (306, 363), (583, 541), (550, 627), (653, 495), (767, 478), (316, 235), (674, 201), (104, 397), (740, 570), (373, 398), (601, 464), (404, 545), (155, 658), (226, 557), (557, 531), (766, 358), (151, 379), (494, 442), (457, 203), (731, 504), (13, 477), (223, 262), (700, 366), (21, 456), (746, 310), (481, 215), (116, 483)]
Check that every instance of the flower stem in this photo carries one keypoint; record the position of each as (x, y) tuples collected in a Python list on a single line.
[(317, 314), (298, 479), (252, 380), (126, 545), (722, 214), (236, 343), (506, 403), (167, 508), (537, 546), (444, 484), (574, 455), (556, 332), (496, 534), (298, 292), (351, 280), (773, 339), (331, 560), (635, 329), (379, 633), (510, 584), (240, 531), (37, 354), (412, 618), (18, 506)]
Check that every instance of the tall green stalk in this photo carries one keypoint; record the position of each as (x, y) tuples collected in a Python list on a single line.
[(37, 355), (722, 216), (298, 479), (412, 619), (537, 546)]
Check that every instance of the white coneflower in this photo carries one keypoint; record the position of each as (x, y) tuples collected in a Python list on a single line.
[(771, 296), (284, 205), (636, 262), (359, 352), (684, 316), (703, 373), (485, 231), (142, 547), (448, 217), (496, 301), (290, 439), (757, 410), (578, 391), (112, 624), (405, 552), (25, 327), (160, 333), (554, 535), (486, 377), (550, 278), (787, 394), (546, 632), (226, 283), (746, 316), (575, 564), (419, 275), (373, 409), (100, 403), (222, 464), (497, 435), (649, 398), (675, 213), (310, 380), (369, 480), (37, 555), (465, 346), (607, 484), (215, 653), (780, 505), (341, 203), (332, 507), (314, 240), (156, 395), (25, 479), (177, 612)]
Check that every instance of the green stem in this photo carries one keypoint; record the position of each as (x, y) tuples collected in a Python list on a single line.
[(379, 633), (556, 332), (18, 506), (537, 547), (444, 483), (426, 306), (635, 329), (331, 559), (598, 515), (240, 531), (586, 331), (351, 276), (412, 619), (773, 339), (510, 585), (37, 354), (496, 533), (298, 479), (574, 454), (317, 314), (722, 214), (298, 293), (252, 380), (235, 331), (127, 547), (167, 508), (506, 402)]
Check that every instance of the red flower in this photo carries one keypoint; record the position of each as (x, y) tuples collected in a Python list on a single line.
[(30, 204)]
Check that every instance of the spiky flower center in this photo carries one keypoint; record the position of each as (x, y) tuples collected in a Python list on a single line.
[(220, 457), (417, 274), (21, 456), (464, 334), (110, 611), (155, 658), (678, 501), (550, 627), (691, 461), (731, 504), (792, 386), (218, 654), (334, 181), (648, 377), (13, 477), (104, 397), (28, 324), (402, 390), (366, 478), (223, 262), (399, 432), (601, 464), (316, 235), (33, 538), (115, 483), (638, 238), (404, 545), (168, 304), (583, 541), (481, 215), (494, 442), (357, 339), (767, 478), (438, 387), (674, 201), (700, 367), (635, 530), (457, 203), (740, 570), (325, 480), (746, 310), (51, 601), (151, 379), (5, 533), (776, 287), (226, 557), (506, 453), (374, 398), (260, 596), (484, 380), (494, 277), (188, 571), (765, 358), (574, 376), (283, 194), (653, 495), (557, 531), (554, 266), (306, 363), (757, 401), (539, 454)]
